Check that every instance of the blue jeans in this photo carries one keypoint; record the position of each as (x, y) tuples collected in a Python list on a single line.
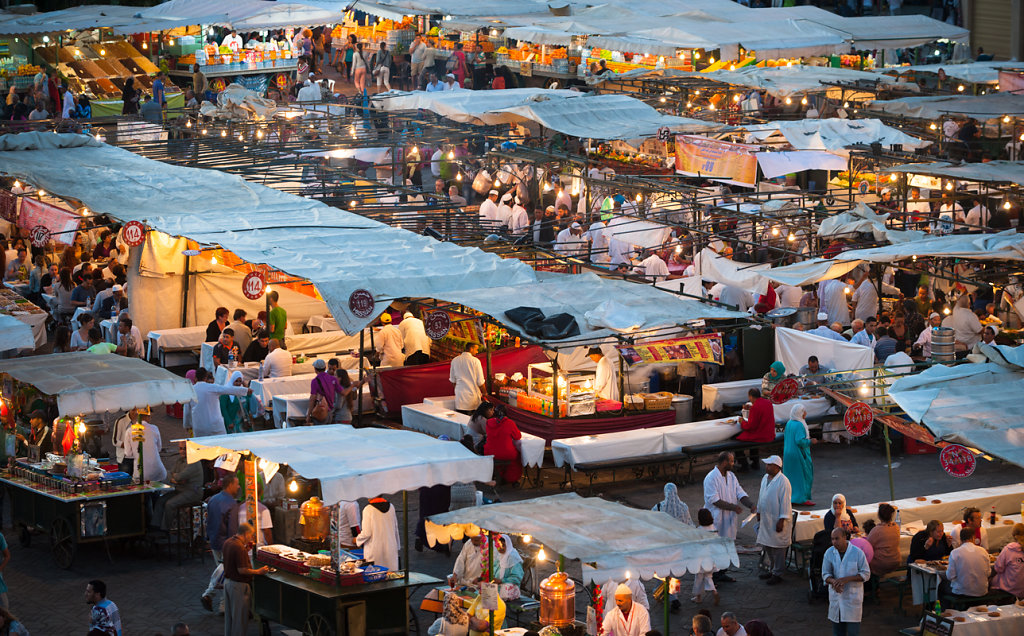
[(845, 629)]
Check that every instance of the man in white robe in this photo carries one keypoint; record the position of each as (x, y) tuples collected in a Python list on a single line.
[(414, 335), (606, 384), (469, 564), (723, 496), (653, 268), (389, 343), (626, 618), (520, 221), (634, 584), (489, 210), (467, 374), (206, 415), (775, 522), (379, 534), (832, 296), (570, 241), (504, 212), (599, 252)]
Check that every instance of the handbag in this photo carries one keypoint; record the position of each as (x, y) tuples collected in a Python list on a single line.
[(319, 410)]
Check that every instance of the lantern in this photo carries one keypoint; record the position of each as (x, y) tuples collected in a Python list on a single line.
[(314, 519), (557, 600)]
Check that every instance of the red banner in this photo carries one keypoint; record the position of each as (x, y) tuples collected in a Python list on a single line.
[(60, 223), (705, 348)]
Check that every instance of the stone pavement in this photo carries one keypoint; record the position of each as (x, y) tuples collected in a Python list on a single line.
[(153, 592)]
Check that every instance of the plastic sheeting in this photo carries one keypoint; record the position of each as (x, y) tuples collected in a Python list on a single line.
[(243, 15), (990, 172), (474, 107), (837, 134), (214, 208), (711, 266), (15, 334), (793, 347), (611, 540), (972, 72), (980, 107), (787, 81), (861, 218), (87, 383), (237, 102), (776, 164), (75, 18)]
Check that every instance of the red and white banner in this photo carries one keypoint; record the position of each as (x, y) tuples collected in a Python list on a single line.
[(61, 223)]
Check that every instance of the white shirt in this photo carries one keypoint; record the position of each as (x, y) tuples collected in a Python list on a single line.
[(968, 570), (955, 536), (488, 212), (832, 299), (454, 86), (137, 350), (741, 631), (265, 522), (379, 537), (435, 87), (826, 332), (634, 584), (469, 563), (69, 104), (414, 336), (599, 239), (865, 297), (519, 222), (467, 374), (925, 340), (389, 344), (568, 244), (604, 382), (435, 159), (845, 607), (789, 296), (725, 488), (638, 623), (349, 519), (232, 42), (978, 215), (774, 503), (619, 251), (277, 364), (654, 267), (862, 337), (502, 215), (737, 296), (206, 415), (309, 93)]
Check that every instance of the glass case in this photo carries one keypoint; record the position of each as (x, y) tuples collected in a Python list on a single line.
[(575, 388)]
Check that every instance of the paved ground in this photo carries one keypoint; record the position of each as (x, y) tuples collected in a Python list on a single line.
[(154, 592)]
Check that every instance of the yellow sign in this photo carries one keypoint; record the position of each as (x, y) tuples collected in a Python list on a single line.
[(700, 156), (705, 348)]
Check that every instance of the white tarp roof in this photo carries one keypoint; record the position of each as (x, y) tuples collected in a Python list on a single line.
[(992, 172), (610, 539), (565, 111), (214, 208), (980, 107), (862, 218), (875, 32), (1007, 245), (86, 383), (74, 18), (714, 267), (972, 72), (15, 334), (244, 15), (835, 134), (793, 348), (354, 462), (945, 399)]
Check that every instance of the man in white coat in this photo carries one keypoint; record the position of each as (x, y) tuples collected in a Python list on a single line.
[(653, 267), (844, 570), (469, 564), (520, 221), (206, 415), (379, 534), (626, 618), (153, 468), (832, 299), (775, 523), (467, 374), (634, 584), (489, 210), (723, 496), (503, 214), (389, 343), (414, 335), (605, 383)]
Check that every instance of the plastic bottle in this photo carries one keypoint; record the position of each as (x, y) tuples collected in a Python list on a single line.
[(992, 517), (938, 608), (231, 359)]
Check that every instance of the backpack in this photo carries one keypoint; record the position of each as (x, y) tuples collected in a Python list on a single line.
[(319, 410)]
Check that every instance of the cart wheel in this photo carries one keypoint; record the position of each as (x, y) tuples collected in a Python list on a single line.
[(317, 625), (62, 543), (25, 537)]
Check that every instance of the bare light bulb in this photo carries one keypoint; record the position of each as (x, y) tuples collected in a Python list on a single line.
[(542, 555), (788, 101), (293, 486), (527, 538)]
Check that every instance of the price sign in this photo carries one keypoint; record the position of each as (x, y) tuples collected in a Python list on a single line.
[(253, 285), (958, 461), (785, 391), (133, 233), (526, 69), (360, 303), (437, 324), (863, 186), (664, 134), (858, 419), (40, 236)]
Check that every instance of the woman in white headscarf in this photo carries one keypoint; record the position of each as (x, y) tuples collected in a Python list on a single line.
[(966, 326), (840, 515), (796, 456), (507, 568), (673, 506), (235, 410)]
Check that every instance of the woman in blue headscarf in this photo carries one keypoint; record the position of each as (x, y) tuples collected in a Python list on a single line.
[(796, 456), (775, 374)]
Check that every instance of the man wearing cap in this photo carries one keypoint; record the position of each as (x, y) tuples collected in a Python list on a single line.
[(327, 385), (389, 343), (569, 241), (414, 336), (489, 210), (605, 384), (626, 618), (653, 267), (519, 224), (823, 329), (107, 302), (309, 93), (450, 83), (774, 516), (504, 212)]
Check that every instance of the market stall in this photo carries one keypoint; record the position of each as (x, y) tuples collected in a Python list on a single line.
[(333, 591), (17, 306), (67, 493)]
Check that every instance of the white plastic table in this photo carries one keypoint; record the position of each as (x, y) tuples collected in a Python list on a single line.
[(722, 394), (607, 446), (322, 323), (680, 436), (436, 421), (163, 342), (447, 401)]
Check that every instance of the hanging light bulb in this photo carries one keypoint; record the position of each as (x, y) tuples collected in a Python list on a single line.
[(144, 46), (188, 124), (960, 88), (775, 231), (1007, 206), (85, 211), (711, 60), (846, 104), (42, 193), (451, 155), (689, 105), (736, 97), (527, 538), (259, 134), (696, 55), (662, 100), (679, 249), (949, 186), (864, 390), (203, 131), (788, 101), (1006, 119), (791, 237), (213, 260), (223, 133), (803, 101), (946, 311), (933, 126), (293, 486), (846, 290), (458, 177), (241, 137), (639, 197), (17, 184), (892, 177), (629, 575), (352, 204), (542, 555), (415, 150), (103, 51)]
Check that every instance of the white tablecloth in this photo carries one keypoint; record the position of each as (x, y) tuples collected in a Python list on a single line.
[(1006, 499), (78, 313), (327, 342), (21, 288), (1009, 623), (287, 405), (322, 323), (51, 303), (608, 446), (162, 341), (816, 407), (446, 402), (436, 421), (266, 389), (37, 322), (697, 433), (722, 394)]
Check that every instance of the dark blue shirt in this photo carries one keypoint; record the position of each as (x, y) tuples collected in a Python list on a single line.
[(221, 519)]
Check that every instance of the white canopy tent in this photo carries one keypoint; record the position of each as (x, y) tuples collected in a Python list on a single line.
[(88, 383), (353, 463), (989, 172), (611, 540), (793, 347), (15, 334), (980, 107), (860, 219), (834, 135), (246, 15), (74, 18), (971, 72)]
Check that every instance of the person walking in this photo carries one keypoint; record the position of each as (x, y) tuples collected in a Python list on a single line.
[(104, 618), (221, 520), (238, 573), (775, 523), (796, 454), (844, 570)]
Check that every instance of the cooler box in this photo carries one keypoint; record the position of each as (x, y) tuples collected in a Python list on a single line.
[(177, 411), (913, 447)]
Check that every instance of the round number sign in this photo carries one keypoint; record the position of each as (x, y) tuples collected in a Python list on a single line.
[(40, 236), (958, 461), (360, 303), (436, 324), (253, 285), (858, 419), (133, 233), (785, 391)]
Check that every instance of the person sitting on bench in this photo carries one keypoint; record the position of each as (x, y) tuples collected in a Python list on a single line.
[(968, 569), (758, 428)]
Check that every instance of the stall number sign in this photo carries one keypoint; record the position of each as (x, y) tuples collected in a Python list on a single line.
[(133, 233), (958, 461), (785, 391), (360, 303), (40, 236), (858, 419), (437, 324), (253, 285)]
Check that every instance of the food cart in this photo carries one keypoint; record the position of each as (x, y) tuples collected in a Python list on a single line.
[(71, 497), (336, 593)]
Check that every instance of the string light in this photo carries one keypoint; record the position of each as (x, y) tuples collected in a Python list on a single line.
[(1006, 119), (42, 193), (203, 131), (775, 231), (960, 88), (788, 101), (846, 104), (259, 134), (791, 237), (1007, 206), (293, 486), (527, 538), (451, 154), (736, 97), (213, 260), (946, 311), (933, 126), (223, 133), (542, 555), (17, 184), (864, 390), (804, 101)]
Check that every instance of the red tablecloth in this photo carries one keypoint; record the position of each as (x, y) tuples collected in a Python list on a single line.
[(550, 429)]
